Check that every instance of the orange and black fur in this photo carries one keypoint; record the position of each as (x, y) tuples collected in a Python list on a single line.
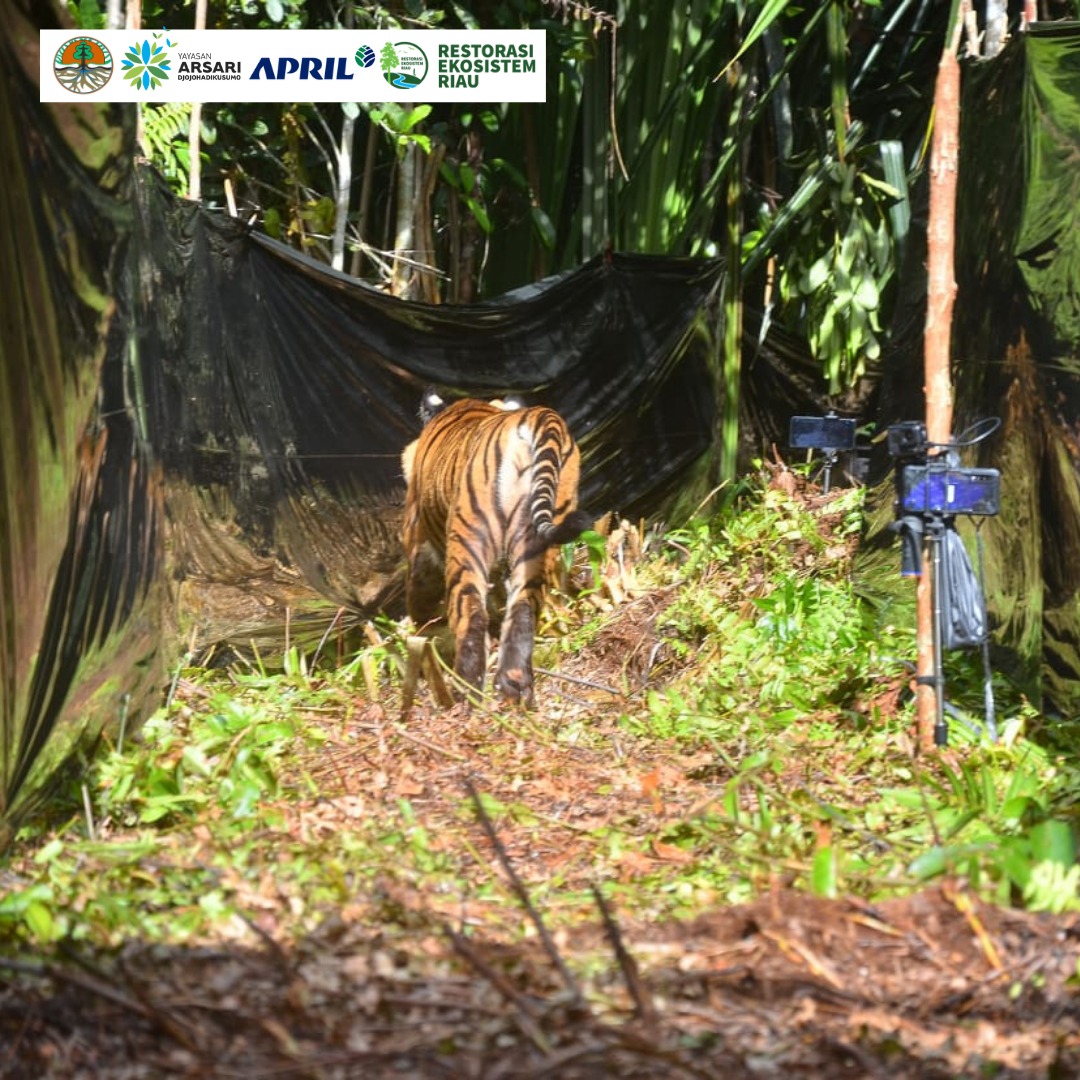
[(489, 486)]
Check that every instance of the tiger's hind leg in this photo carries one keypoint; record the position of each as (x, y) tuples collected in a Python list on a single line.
[(514, 677), (466, 606)]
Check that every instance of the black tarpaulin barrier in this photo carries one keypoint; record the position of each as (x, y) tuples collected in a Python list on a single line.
[(202, 429), (199, 421), (81, 594), (280, 394), (1015, 353), (1016, 342)]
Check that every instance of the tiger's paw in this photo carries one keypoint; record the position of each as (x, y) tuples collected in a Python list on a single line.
[(516, 685)]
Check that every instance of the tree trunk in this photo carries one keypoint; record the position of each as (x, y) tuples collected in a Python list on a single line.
[(404, 240), (133, 21), (343, 183), (941, 292), (997, 27), (731, 297), (344, 170), (194, 128), (367, 187)]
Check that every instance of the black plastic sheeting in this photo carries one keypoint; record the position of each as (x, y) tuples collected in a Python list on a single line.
[(202, 429), (1016, 344), (280, 394), (82, 597), (198, 424)]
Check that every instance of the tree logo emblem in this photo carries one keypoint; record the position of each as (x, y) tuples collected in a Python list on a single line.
[(83, 65), (146, 64), (404, 64)]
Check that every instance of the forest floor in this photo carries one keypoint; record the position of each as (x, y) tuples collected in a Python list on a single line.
[(528, 961)]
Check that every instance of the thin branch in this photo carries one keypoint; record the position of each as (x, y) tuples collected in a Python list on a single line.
[(578, 681), (98, 986), (526, 1017), (644, 1005), (523, 896)]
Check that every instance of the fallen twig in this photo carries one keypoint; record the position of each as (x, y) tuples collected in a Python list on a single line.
[(95, 985), (579, 681), (643, 1002), (526, 1016), (522, 894)]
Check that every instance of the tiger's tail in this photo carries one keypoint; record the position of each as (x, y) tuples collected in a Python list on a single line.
[(566, 531), (551, 453)]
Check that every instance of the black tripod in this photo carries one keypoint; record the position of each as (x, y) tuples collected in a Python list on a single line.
[(948, 562), (932, 490)]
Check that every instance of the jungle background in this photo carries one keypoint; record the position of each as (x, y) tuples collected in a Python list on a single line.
[(716, 845)]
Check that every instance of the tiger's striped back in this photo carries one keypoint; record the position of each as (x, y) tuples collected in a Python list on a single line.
[(487, 486)]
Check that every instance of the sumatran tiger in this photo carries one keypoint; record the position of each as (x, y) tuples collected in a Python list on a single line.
[(489, 484)]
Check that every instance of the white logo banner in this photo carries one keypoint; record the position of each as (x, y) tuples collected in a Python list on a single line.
[(294, 65)]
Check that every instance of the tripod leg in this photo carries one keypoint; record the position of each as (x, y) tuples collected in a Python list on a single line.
[(988, 685), (941, 727)]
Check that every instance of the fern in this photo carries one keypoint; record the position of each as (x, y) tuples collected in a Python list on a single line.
[(165, 140)]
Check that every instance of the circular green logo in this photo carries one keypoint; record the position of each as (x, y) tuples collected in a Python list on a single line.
[(82, 65), (403, 64)]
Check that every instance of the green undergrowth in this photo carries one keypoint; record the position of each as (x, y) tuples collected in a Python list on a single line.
[(778, 691)]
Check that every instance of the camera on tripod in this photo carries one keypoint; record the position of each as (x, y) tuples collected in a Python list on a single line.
[(830, 434), (936, 484), (932, 489)]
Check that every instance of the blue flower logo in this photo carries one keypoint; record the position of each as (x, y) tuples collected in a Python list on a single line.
[(146, 66)]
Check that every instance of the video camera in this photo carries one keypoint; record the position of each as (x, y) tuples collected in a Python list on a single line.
[(936, 484)]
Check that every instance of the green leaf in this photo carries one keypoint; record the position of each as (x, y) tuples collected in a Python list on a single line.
[(41, 922), (450, 175), (817, 275), (49, 852), (880, 185), (867, 295), (770, 12), (478, 212), (824, 875), (90, 16), (419, 113), (1052, 841), (930, 863), (511, 170), (195, 761), (275, 11), (272, 222), (545, 229), (17, 903)]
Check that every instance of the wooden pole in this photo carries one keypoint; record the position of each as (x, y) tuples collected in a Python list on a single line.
[(941, 293)]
